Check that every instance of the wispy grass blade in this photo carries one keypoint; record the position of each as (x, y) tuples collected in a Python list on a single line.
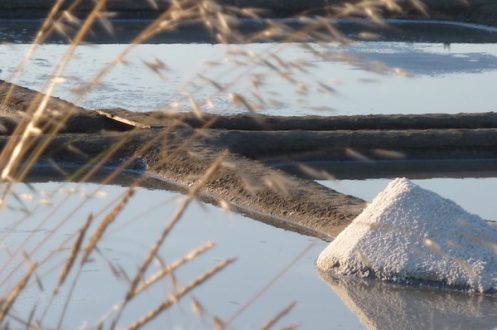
[(178, 295)]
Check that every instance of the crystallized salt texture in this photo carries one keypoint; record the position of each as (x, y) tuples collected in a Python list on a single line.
[(409, 234)]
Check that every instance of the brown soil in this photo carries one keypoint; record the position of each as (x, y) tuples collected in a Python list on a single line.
[(476, 11), (172, 151)]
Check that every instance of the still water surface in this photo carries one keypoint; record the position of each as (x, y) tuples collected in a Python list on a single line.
[(262, 253), (440, 78)]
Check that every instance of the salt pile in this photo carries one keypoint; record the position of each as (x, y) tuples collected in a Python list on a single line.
[(409, 234)]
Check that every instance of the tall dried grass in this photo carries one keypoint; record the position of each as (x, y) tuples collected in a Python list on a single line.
[(24, 148)]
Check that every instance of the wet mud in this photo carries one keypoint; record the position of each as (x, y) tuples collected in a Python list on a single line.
[(271, 164), (419, 29), (20, 20), (479, 11)]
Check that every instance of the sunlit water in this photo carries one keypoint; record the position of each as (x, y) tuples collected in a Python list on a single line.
[(440, 78), (476, 195), (262, 253)]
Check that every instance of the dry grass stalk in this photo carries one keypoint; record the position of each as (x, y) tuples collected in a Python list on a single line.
[(291, 326), (168, 20), (15, 319), (74, 252), (167, 269), (218, 323), (167, 230), (193, 193), (41, 243), (11, 298), (68, 299), (96, 164), (174, 298), (215, 17), (16, 148), (172, 267), (43, 32), (101, 161), (105, 224), (278, 316), (31, 318), (93, 164), (258, 294), (198, 308), (95, 167), (116, 172)]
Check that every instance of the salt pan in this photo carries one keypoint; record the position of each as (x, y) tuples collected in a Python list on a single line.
[(409, 234)]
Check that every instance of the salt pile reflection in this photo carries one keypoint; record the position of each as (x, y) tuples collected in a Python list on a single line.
[(389, 306)]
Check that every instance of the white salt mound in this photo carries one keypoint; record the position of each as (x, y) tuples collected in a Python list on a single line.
[(409, 234)]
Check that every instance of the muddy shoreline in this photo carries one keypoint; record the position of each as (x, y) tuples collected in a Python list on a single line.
[(471, 21), (476, 11), (171, 151), (249, 30)]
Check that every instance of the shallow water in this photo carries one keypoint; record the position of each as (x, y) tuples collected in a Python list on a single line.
[(439, 78), (476, 195), (262, 253)]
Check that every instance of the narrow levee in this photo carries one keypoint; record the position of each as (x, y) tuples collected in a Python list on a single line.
[(171, 151)]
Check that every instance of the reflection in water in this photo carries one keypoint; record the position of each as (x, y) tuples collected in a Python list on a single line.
[(381, 305), (134, 87), (425, 60), (262, 252)]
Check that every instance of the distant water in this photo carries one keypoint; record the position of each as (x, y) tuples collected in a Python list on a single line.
[(438, 78), (475, 195), (262, 252)]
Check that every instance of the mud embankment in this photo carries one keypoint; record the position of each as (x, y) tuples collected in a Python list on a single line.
[(176, 155), (171, 151), (476, 11), (133, 16)]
